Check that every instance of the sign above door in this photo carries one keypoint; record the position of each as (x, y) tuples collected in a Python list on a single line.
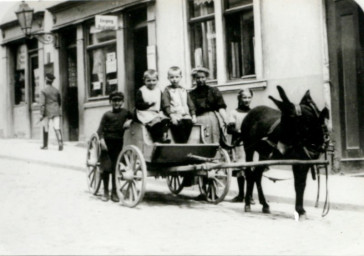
[(106, 22)]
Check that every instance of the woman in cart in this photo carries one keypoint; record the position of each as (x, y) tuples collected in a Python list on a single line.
[(209, 104)]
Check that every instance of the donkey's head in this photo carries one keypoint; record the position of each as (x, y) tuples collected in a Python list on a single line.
[(303, 126)]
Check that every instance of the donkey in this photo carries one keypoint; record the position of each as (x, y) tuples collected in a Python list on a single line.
[(294, 132)]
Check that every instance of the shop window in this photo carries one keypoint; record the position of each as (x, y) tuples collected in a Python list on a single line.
[(102, 64), (239, 27), (203, 35)]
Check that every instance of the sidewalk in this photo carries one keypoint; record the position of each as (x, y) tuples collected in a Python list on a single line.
[(345, 190), (72, 156)]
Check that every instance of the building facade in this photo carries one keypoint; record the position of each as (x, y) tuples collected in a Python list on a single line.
[(255, 44)]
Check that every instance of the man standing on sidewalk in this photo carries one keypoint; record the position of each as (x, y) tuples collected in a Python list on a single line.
[(50, 110)]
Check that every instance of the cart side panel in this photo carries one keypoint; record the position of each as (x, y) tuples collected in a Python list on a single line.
[(138, 136)]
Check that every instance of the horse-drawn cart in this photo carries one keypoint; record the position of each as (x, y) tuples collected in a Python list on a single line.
[(141, 158), (297, 133)]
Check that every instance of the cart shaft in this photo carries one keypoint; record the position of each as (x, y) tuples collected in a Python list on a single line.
[(208, 165)]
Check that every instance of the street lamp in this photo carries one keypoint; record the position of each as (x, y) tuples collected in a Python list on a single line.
[(24, 15)]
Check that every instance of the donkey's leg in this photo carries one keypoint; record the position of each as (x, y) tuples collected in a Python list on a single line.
[(300, 177), (249, 181), (258, 180)]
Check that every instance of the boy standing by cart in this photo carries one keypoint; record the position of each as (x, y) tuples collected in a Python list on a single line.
[(111, 131)]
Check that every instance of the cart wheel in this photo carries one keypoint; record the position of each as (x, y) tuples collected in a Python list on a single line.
[(175, 183), (93, 164), (215, 185), (130, 175)]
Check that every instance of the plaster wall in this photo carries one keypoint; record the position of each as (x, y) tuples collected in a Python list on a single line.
[(3, 101), (170, 39), (92, 118), (292, 49)]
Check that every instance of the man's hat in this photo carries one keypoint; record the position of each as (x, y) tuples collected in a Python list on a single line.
[(50, 76), (116, 95), (200, 69)]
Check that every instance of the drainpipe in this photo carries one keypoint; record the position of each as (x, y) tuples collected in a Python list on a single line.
[(325, 61), (332, 153)]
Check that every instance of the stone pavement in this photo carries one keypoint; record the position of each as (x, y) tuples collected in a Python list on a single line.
[(345, 190)]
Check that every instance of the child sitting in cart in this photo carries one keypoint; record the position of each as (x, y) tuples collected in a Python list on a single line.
[(111, 131), (148, 106), (236, 118), (178, 106)]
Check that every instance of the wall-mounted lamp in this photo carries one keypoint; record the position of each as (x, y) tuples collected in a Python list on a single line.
[(25, 17)]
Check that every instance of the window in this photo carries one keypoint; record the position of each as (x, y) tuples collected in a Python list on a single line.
[(203, 36), (101, 51), (236, 21), (239, 27)]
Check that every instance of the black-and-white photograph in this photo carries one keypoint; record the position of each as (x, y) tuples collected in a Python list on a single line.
[(182, 127)]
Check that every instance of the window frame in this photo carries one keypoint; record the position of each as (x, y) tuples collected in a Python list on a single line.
[(227, 13)]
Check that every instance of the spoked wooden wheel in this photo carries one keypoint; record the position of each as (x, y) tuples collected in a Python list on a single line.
[(93, 164), (130, 175), (175, 183), (215, 185)]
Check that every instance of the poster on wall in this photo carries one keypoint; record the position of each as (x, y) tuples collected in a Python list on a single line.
[(110, 62), (21, 57)]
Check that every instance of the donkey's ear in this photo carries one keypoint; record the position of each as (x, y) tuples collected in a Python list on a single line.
[(306, 99), (325, 114), (277, 102), (283, 94)]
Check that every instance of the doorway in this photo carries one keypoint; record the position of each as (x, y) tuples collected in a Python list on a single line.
[(72, 94), (69, 86), (34, 94), (346, 51), (136, 54)]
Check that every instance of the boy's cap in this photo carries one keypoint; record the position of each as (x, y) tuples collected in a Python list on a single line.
[(200, 69), (116, 95), (50, 76)]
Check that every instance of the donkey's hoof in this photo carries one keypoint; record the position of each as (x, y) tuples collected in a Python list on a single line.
[(300, 217), (247, 208), (266, 209)]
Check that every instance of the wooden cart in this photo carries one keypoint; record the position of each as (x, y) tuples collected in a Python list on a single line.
[(141, 158), (208, 163)]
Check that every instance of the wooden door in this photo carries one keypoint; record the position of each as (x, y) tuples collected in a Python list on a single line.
[(346, 40)]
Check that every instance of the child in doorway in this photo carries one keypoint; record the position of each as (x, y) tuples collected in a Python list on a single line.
[(178, 106), (234, 128), (148, 105), (111, 131)]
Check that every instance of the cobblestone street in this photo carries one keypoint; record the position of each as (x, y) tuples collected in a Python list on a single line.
[(48, 210)]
